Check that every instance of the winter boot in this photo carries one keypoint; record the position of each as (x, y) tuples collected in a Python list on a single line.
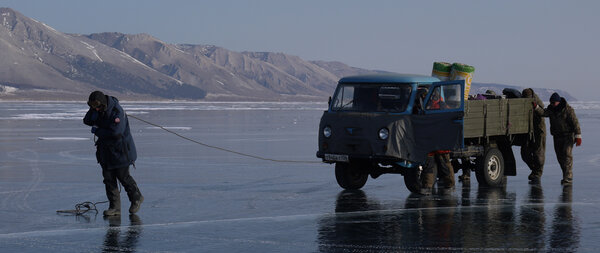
[(534, 178), (566, 182), (447, 182), (135, 204), (427, 179), (445, 190), (114, 208), (426, 191)]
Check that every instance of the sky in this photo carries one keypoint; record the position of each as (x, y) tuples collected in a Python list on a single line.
[(537, 43)]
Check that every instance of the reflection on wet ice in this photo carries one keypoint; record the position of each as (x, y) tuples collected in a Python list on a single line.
[(113, 241), (533, 219), (565, 228), (490, 220)]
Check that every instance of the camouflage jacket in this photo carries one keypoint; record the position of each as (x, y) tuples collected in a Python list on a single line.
[(563, 120), (539, 123)]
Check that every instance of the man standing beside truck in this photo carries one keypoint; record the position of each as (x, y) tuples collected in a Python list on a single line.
[(565, 129), (533, 151)]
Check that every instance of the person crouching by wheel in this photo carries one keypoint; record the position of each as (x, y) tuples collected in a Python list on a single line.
[(115, 150), (438, 161)]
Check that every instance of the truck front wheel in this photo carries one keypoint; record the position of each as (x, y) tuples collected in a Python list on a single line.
[(412, 179), (490, 168), (350, 176)]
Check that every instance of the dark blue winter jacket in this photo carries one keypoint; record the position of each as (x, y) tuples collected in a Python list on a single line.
[(114, 147)]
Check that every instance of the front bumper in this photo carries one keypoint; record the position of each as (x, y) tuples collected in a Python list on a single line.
[(375, 159)]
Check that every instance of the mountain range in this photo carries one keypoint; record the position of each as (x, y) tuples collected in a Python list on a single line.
[(38, 62)]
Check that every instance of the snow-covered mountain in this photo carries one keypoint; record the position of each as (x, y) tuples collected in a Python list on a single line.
[(38, 62)]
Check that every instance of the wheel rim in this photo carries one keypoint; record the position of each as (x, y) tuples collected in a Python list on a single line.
[(493, 168)]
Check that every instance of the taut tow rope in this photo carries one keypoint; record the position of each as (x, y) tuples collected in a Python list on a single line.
[(219, 148)]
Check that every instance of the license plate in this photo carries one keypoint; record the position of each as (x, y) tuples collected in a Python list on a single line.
[(336, 158)]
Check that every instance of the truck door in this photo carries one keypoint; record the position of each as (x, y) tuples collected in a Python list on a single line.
[(440, 124)]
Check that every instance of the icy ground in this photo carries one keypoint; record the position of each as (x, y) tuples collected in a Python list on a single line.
[(203, 200)]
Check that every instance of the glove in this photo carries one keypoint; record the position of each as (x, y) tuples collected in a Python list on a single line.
[(94, 129), (578, 142)]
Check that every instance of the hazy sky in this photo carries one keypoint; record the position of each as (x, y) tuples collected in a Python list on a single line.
[(541, 43)]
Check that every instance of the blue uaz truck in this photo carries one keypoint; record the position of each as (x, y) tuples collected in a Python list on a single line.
[(388, 123)]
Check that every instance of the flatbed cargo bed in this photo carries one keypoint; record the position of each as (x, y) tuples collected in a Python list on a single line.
[(496, 117)]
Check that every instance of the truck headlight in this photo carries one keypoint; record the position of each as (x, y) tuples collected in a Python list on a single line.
[(327, 131), (384, 133)]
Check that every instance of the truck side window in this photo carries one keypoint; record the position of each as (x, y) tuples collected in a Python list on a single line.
[(445, 97), (452, 95), (436, 101), (344, 98)]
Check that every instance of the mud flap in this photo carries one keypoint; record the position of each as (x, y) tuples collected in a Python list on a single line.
[(510, 165)]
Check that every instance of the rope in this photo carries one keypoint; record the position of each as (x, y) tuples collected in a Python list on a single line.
[(219, 148), (82, 208)]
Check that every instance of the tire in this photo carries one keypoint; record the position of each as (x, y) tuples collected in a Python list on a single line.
[(349, 176), (490, 168), (412, 180)]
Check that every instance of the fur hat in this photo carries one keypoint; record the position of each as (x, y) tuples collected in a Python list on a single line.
[(97, 99), (555, 97)]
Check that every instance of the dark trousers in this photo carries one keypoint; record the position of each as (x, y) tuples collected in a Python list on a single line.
[(533, 154), (563, 146), (112, 188)]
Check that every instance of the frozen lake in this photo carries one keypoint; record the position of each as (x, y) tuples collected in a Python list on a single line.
[(199, 199)]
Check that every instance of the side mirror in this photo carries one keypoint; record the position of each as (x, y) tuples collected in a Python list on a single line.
[(329, 102)]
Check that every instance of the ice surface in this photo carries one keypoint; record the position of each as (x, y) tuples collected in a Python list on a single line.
[(171, 128), (63, 138), (203, 200)]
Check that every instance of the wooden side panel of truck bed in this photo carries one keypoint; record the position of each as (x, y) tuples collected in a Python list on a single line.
[(493, 117)]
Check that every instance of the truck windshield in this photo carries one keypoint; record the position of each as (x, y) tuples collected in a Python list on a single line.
[(372, 97)]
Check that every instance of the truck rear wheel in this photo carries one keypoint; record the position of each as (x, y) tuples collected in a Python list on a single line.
[(350, 176), (490, 168)]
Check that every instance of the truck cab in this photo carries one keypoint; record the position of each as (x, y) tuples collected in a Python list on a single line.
[(388, 123)]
